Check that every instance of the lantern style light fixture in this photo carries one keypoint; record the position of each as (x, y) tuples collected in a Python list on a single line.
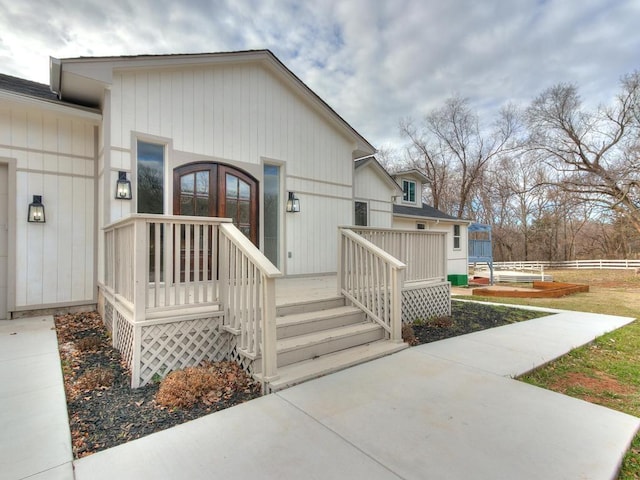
[(36, 210), (293, 203), (123, 187)]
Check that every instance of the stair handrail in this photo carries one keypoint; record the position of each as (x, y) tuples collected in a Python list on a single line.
[(370, 278), (248, 294)]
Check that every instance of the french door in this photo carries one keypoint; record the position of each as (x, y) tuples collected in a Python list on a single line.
[(212, 190)]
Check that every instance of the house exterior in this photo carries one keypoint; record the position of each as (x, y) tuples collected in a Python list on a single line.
[(171, 191), (410, 212)]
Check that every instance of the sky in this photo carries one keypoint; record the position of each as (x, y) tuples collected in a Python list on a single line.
[(375, 62)]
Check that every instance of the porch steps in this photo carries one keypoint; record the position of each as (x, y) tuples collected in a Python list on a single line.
[(317, 367), (323, 336)]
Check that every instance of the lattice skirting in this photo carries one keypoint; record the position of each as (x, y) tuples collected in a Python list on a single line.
[(426, 301), (247, 364), (173, 345)]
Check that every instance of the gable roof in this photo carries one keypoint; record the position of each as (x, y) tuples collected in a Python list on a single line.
[(415, 173), (382, 172), (426, 211), (82, 80)]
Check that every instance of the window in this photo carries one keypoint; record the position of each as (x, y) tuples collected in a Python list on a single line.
[(456, 237), (150, 168), (421, 226), (271, 189), (408, 191), (361, 214)]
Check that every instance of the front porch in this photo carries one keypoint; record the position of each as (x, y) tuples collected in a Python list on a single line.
[(180, 290)]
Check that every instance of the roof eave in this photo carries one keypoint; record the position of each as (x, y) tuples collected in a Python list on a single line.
[(53, 106)]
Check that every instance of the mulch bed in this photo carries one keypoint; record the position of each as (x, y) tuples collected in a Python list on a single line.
[(103, 416), (467, 318), (104, 411)]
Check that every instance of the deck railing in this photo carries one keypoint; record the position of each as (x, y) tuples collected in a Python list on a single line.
[(156, 263), (159, 267), (423, 252), (370, 278), (247, 283)]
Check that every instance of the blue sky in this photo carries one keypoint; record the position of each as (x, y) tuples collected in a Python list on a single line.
[(374, 62)]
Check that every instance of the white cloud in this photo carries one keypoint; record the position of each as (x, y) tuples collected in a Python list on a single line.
[(374, 62)]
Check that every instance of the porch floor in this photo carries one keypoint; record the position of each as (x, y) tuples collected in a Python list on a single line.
[(304, 289)]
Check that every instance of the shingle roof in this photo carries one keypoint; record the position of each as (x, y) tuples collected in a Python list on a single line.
[(426, 211), (26, 87)]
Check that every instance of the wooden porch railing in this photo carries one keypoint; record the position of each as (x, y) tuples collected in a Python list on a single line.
[(423, 252), (157, 265), (247, 281), (370, 278)]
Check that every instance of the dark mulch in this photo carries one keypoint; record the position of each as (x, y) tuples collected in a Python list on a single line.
[(467, 318), (101, 417), (104, 411)]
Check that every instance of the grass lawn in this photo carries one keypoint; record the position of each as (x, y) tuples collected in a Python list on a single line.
[(606, 372)]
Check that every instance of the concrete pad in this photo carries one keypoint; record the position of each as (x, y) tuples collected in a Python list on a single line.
[(518, 348), (35, 440), (63, 472), (26, 337), (422, 417), (263, 438)]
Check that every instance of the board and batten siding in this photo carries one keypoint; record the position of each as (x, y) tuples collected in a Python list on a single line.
[(55, 158), (241, 114), (369, 187)]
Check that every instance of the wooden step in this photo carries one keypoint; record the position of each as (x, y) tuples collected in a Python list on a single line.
[(310, 306), (304, 347), (309, 322), (317, 367)]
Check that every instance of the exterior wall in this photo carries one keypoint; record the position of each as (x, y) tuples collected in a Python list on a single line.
[(369, 187), (457, 263), (245, 116), (54, 156)]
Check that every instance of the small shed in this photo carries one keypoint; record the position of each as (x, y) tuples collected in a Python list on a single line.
[(480, 248)]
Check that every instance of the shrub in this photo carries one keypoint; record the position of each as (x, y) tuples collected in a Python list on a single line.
[(87, 344), (207, 384), (408, 335), (99, 377), (185, 388)]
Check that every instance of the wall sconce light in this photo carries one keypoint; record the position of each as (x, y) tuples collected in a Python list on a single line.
[(293, 204), (36, 210), (123, 187)]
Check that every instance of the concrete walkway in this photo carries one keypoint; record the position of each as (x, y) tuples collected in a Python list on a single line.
[(445, 410), (35, 441)]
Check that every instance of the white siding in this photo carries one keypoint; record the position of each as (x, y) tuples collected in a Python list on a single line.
[(369, 187), (4, 240), (54, 158), (241, 115)]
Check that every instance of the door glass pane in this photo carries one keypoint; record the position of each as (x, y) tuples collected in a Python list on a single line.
[(232, 186), (202, 206), (202, 183), (244, 215), (186, 205), (232, 210), (245, 191), (271, 187), (186, 183)]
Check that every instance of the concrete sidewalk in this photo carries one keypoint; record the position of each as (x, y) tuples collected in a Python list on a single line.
[(446, 410), (35, 441)]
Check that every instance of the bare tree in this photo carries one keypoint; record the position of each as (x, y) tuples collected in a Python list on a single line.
[(595, 152), (452, 150)]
